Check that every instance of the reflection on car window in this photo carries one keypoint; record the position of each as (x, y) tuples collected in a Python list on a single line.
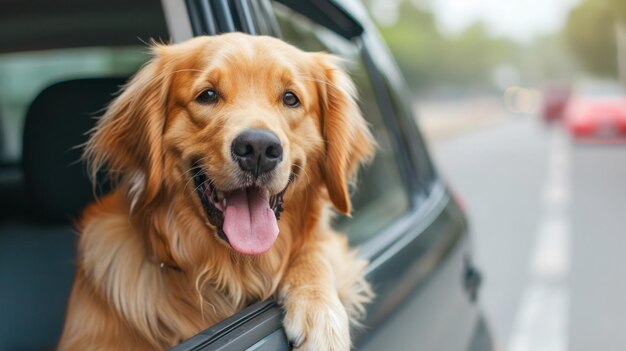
[(381, 197), (25, 74)]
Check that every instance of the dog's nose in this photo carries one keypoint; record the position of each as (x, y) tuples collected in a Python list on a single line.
[(257, 151)]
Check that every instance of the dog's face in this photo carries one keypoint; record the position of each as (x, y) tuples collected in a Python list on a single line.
[(230, 123)]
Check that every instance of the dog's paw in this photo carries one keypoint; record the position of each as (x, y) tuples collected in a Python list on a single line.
[(320, 323)]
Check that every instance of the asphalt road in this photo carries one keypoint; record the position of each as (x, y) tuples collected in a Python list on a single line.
[(598, 283), (547, 216)]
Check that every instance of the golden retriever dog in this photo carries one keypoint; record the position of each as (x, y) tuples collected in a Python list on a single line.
[(228, 154)]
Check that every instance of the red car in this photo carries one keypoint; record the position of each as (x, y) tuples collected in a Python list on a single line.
[(555, 99), (597, 114)]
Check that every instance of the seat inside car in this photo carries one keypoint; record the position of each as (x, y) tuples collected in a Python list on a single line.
[(37, 240)]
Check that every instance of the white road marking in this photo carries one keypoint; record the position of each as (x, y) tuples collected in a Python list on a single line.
[(541, 322), (550, 260)]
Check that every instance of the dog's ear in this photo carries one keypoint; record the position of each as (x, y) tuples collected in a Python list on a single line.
[(348, 141), (127, 140)]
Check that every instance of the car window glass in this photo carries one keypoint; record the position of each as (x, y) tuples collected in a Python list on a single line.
[(26, 74), (381, 197), (69, 40)]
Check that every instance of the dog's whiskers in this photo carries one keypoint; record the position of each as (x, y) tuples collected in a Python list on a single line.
[(206, 182), (197, 169), (191, 178), (308, 181)]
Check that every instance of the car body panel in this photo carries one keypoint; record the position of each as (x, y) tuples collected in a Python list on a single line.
[(555, 99), (596, 112), (597, 117)]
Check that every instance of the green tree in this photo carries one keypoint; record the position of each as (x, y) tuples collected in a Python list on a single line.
[(471, 56), (416, 44), (429, 59), (590, 33)]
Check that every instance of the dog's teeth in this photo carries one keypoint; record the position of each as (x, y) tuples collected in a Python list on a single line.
[(224, 203)]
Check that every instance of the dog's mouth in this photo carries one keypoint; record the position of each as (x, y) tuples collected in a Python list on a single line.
[(245, 218)]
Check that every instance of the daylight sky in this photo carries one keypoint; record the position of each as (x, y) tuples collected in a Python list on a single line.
[(517, 19)]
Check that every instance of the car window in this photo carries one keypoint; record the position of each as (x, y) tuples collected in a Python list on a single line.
[(25, 74), (80, 40), (379, 196)]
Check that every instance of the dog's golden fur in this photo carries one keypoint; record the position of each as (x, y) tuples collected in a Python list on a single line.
[(123, 298)]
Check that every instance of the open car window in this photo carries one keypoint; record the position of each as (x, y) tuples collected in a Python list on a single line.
[(379, 196)]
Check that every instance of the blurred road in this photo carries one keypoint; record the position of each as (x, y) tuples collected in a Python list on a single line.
[(548, 223), (598, 282)]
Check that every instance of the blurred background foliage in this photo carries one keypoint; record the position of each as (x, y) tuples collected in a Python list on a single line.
[(591, 34), (433, 61), (475, 62)]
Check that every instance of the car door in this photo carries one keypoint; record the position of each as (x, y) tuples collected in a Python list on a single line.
[(404, 220)]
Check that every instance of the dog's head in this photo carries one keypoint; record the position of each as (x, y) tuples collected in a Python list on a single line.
[(230, 123)]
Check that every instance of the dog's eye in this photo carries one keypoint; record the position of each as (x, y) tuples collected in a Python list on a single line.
[(290, 99), (208, 96)]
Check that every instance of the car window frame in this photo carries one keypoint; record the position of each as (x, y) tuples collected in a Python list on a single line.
[(375, 246), (424, 174)]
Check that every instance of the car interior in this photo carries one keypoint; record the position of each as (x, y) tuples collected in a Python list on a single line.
[(43, 182), (38, 207), (53, 88)]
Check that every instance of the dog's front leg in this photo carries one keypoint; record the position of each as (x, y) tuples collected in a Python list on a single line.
[(315, 318)]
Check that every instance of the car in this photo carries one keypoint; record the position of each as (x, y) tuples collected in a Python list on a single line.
[(61, 63), (555, 99), (597, 113)]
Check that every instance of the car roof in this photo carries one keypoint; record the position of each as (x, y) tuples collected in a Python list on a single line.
[(27, 25)]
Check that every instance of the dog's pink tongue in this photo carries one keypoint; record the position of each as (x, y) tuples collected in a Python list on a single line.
[(249, 222)]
